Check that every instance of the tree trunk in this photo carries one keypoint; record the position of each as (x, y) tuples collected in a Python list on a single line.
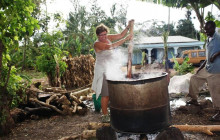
[(199, 15), (6, 121), (55, 81), (1, 52)]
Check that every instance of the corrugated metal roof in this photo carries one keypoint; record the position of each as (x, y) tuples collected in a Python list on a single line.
[(159, 40), (170, 45)]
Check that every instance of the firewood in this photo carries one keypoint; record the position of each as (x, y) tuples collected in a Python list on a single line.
[(83, 98), (81, 110), (47, 105), (72, 96), (75, 137), (79, 72), (74, 106), (49, 89), (89, 98), (82, 92), (67, 109), (88, 134), (63, 100), (207, 129), (52, 98)]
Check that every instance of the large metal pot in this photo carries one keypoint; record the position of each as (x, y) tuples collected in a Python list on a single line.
[(139, 105)]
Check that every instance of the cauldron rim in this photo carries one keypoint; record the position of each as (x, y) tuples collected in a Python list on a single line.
[(163, 74)]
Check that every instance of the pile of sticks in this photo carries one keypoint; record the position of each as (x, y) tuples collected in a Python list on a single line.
[(79, 72), (62, 101)]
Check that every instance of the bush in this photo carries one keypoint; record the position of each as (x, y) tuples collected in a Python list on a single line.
[(184, 68)]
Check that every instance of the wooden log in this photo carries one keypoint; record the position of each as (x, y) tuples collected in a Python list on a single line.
[(82, 92), (75, 137), (74, 106), (72, 96), (76, 90), (207, 129), (47, 105), (130, 51), (67, 109), (52, 98), (83, 98), (88, 134), (63, 100)]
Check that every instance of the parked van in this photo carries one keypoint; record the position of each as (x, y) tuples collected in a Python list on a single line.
[(196, 57)]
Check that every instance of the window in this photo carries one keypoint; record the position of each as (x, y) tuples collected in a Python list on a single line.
[(201, 54), (194, 54), (185, 55)]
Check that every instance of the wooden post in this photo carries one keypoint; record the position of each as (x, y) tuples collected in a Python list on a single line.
[(130, 51)]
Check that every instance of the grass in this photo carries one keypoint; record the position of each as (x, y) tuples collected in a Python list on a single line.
[(33, 74)]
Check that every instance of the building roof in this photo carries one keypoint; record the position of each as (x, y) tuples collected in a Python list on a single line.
[(173, 41), (159, 40)]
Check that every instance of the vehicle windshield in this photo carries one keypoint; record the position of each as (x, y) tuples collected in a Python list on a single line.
[(185, 55)]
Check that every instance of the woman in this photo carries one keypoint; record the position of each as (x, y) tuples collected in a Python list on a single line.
[(103, 48)]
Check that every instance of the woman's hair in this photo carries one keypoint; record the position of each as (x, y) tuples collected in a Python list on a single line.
[(101, 28)]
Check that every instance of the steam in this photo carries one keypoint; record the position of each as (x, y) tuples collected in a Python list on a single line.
[(120, 58), (114, 71)]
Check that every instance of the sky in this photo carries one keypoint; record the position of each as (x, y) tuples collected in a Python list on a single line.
[(137, 10)]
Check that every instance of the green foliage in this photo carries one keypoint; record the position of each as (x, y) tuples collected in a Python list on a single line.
[(186, 28), (30, 74), (14, 81), (51, 47), (143, 58), (18, 16), (80, 30), (184, 68), (46, 62), (165, 36), (2, 116)]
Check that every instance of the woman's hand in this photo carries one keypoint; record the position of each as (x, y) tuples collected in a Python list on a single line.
[(129, 37), (129, 23)]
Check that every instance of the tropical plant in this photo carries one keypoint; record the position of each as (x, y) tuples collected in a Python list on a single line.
[(165, 38), (50, 60), (143, 58), (183, 68)]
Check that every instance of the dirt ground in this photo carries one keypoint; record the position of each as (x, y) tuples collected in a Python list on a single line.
[(57, 126)]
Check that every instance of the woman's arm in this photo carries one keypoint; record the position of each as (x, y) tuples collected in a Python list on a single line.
[(100, 46), (114, 37)]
